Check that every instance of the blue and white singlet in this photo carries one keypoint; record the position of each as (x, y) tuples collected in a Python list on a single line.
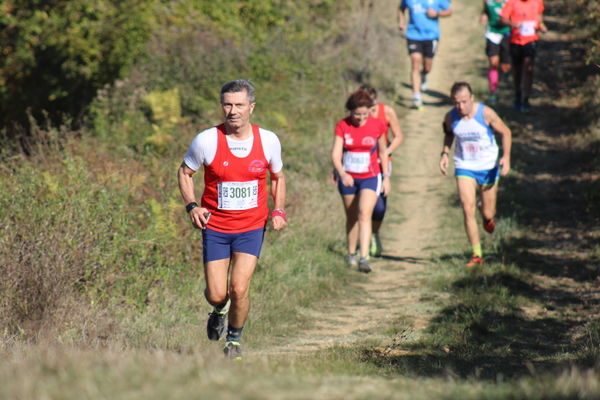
[(476, 148)]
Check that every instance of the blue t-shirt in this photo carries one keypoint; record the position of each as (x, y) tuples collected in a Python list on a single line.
[(420, 26)]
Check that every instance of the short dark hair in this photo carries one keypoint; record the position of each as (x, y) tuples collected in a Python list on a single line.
[(239, 85), (458, 86), (358, 99), (369, 89)]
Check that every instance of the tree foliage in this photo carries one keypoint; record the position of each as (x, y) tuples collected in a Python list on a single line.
[(56, 54)]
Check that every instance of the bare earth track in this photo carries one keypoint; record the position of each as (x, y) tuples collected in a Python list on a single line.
[(393, 291)]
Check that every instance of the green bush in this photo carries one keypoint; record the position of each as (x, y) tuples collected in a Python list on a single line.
[(56, 54), (198, 45)]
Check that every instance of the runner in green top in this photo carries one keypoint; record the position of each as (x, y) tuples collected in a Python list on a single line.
[(497, 44), (492, 11)]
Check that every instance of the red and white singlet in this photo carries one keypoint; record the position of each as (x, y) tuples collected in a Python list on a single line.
[(360, 158), (235, 190)]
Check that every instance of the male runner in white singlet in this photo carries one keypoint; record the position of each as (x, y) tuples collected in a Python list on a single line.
[(476, 161)]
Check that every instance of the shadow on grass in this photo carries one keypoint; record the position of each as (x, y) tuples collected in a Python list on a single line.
[(482, 334), (484, 331), (493, 345), (410, 260), (443, 100), (545, 258)]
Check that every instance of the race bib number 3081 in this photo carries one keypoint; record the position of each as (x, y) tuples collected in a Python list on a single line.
[(238, 195)]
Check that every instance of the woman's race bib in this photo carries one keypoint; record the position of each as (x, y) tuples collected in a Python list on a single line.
[(238, 195), (357, 161), (527, 28)]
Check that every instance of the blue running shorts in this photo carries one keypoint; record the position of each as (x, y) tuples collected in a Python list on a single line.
[(219, 245), (485, 177), (380, 208), (373, 184)]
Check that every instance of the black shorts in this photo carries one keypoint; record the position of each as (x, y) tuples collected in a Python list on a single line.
[(502, 49), (425, 47), (520, 51)]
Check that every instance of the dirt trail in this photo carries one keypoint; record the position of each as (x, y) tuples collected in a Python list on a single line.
[(393, 291)]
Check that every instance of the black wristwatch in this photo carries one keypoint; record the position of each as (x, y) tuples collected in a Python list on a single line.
[(190, 206)]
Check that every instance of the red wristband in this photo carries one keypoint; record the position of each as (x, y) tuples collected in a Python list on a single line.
[(279, 213)]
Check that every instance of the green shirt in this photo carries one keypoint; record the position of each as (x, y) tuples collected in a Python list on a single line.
[(492, 9)]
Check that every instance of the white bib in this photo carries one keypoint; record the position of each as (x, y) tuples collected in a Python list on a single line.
[(494, 37), (470, 150), (527, 28), (238, 195), (357, 161)]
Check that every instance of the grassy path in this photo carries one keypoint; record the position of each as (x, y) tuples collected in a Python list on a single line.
[(392, 292)]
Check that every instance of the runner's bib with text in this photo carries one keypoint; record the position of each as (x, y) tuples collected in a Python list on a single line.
[(527, 28), (470, 150), (357, 161), (238, 195)]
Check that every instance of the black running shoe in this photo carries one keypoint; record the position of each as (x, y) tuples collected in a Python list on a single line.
[(363, 266), (233, 350), (215, 326)]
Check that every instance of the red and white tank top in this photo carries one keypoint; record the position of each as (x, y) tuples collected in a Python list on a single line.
[(235, 190), (360, 157)]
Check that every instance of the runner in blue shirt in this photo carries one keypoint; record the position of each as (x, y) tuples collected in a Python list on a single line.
[(422, 35)]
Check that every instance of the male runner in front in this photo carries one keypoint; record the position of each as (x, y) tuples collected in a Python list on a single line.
[(497, 44), (422, 35), (525, 19), (476, 160), (233, 211)]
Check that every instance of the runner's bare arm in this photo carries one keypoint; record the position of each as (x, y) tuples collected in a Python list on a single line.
[(508, 21), (483, 18), (401, 19), (542, 27), (504, 131), (445, 13), (186, 187), (448, 140), (395, 128), (336, 157), (278, 189), (431, 13), (384, 160)]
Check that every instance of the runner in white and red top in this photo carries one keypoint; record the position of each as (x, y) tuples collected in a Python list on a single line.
[(359, 145), (387, 115), (233, 212)]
